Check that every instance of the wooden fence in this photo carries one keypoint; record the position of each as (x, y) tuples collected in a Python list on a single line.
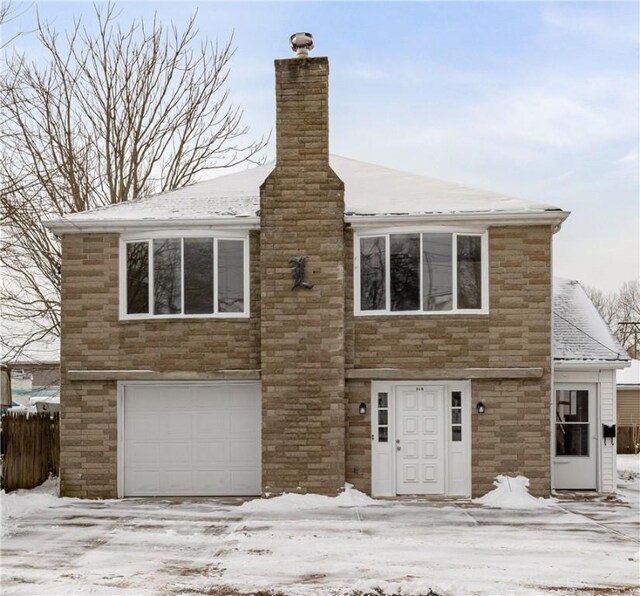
[(30, 449), (627, 437)]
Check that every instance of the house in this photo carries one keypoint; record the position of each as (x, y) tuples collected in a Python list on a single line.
[(628, 410), (586, 358), (32, 381), (294, 327)]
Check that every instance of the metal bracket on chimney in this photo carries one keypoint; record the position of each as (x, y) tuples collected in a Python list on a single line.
[(297, 273)]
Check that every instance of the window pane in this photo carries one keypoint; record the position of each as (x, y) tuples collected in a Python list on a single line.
[(456, 434), (383, 434), (230, 276), (469, 272), (383, 400), (572, 439), (437, 286), (137, 277), (572, 406), (372, 274), (383, 417), (167, 289), (405, 272), (198, 275), (456, 399), (456, 416)]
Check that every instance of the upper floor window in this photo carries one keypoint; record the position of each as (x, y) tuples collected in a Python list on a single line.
[(421, 273), (184, 276)]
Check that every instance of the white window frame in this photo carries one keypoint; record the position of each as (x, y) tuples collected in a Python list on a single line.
[(386, 233), (148, 237)]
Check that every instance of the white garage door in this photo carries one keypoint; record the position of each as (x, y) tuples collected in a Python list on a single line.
[(190, 439)]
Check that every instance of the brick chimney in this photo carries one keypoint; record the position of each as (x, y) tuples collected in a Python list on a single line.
[(302, 327)]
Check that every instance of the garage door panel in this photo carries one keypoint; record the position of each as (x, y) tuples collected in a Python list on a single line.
[(244, 422), (191, 439), (241, 397), (211, 424), (144, 483), (242, 480), (178, 425), (144, 424), (213, 481), (145, 453), (214, 452), (176, 453), (178, 482)]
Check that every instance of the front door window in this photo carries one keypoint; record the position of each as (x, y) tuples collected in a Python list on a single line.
[(572, 422)]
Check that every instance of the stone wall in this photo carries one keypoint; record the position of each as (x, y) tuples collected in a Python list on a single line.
[(302, 330), (513, 435), (93, 338)]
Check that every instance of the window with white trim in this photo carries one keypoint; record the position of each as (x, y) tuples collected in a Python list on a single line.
[(196, 276), (421, 272)]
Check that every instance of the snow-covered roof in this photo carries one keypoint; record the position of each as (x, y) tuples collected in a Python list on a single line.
[(629, 378), (580, 334), (370, 191)]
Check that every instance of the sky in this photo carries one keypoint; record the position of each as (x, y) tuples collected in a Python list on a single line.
[(536, 100)]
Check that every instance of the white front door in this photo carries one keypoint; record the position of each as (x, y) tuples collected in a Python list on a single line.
[(420, 440), (576, 440)]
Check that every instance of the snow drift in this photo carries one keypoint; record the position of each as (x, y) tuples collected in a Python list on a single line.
[(21, 503), (350, 497), (513, 493)]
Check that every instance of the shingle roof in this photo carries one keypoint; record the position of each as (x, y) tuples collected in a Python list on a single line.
[(579, 332), (370, 190)]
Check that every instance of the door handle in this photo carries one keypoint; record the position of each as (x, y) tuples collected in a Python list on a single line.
[(398, 448)]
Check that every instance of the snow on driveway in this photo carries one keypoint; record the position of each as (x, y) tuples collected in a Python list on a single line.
[(213, 546)]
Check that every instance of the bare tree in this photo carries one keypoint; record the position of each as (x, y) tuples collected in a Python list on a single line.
[(111, 116), (628, 323), (9, 11), (621, 311)]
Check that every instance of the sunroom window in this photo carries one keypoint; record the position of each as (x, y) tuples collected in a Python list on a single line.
[(421, 272), (189, 276)]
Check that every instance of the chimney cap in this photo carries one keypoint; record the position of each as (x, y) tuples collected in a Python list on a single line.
[(301, 43)]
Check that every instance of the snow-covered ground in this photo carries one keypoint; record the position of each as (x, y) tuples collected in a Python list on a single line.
[(319, 546)]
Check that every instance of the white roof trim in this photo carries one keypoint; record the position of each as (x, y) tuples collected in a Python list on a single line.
[(519, 218), (62, 226), (590, 364)]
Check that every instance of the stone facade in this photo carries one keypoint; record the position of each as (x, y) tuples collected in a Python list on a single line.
[(93, 338), (515, 333), (304, 340)]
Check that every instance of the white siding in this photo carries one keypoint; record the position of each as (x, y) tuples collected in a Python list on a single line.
[(608, 416)]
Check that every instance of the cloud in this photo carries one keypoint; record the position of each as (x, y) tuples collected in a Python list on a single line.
[(630, 158), (606, 25), (363, 72)]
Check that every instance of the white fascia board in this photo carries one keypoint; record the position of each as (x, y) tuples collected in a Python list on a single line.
[(514, 219), (62, 226), (590, 364)]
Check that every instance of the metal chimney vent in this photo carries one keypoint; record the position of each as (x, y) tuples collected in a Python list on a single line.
[(301, 43)]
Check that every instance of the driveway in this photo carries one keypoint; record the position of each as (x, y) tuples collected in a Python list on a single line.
[(214, 546)]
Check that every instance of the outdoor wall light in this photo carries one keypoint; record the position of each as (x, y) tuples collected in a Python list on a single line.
[(363, 408), (480, 407)]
